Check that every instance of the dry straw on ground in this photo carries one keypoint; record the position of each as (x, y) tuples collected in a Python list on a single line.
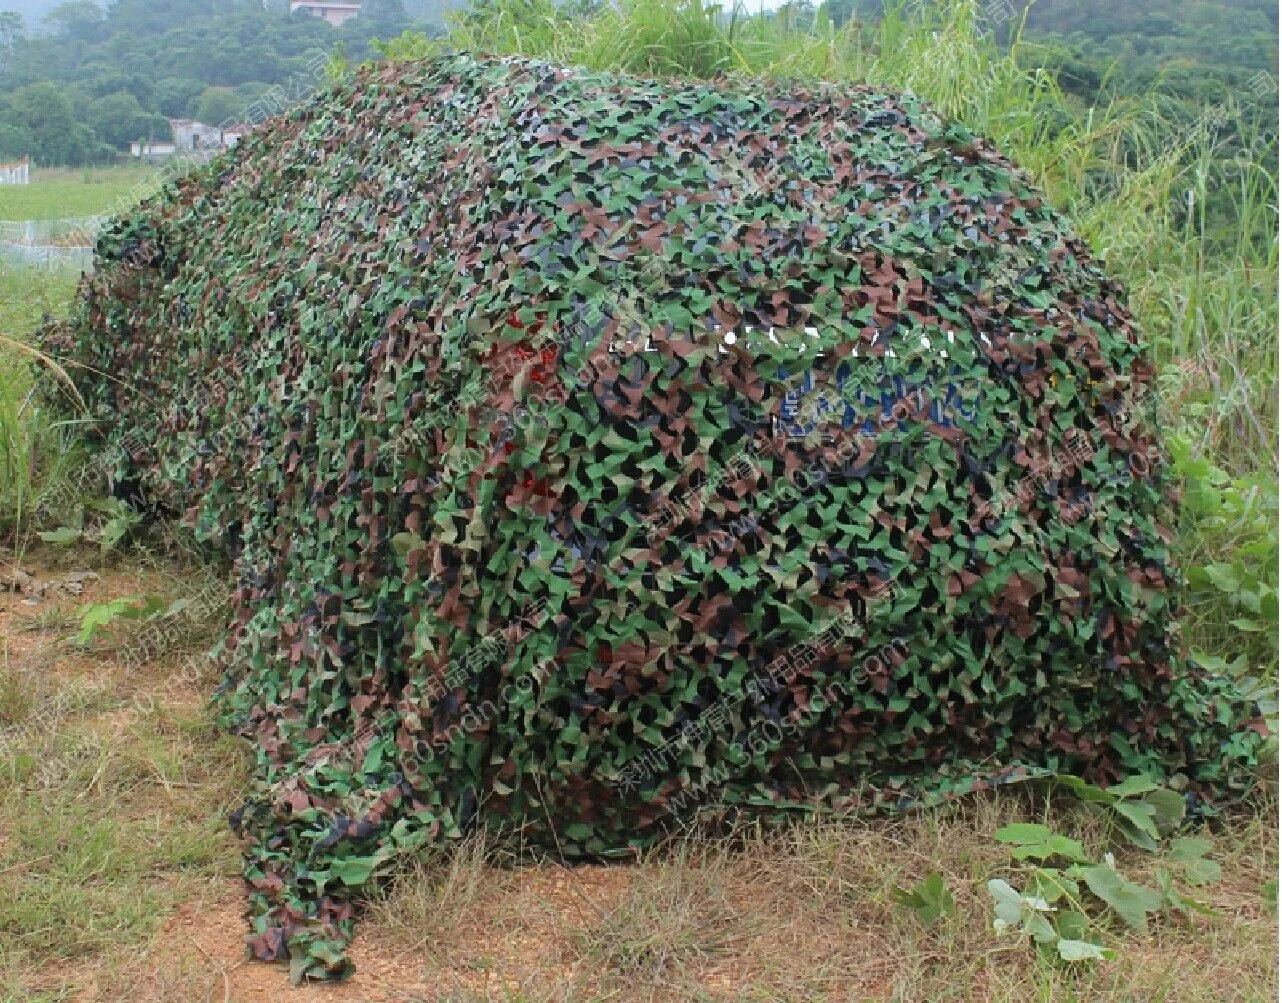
[(119, 880)]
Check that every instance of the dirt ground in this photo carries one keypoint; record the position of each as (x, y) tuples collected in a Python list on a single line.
[(133, 764)]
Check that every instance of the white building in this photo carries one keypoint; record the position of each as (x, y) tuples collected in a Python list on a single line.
[(16, 174), (232, 134), (192, 135), (152, 150), (335, 13)]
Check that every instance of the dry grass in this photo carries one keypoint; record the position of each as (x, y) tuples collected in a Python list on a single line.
[(807, 913), (676, 915), (113, 788), (428, 903), (119, 880)]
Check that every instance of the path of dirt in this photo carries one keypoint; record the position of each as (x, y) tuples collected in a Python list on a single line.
[(520, 940)]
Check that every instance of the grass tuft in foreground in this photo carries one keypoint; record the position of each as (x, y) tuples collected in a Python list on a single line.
[(812, 912)]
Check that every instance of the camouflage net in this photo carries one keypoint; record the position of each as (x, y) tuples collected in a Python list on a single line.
[(590, 449)]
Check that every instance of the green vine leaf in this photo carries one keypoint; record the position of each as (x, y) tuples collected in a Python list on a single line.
[(1080, 950), (1032, 841), (1130, 901), (63, 536), (930, 899)]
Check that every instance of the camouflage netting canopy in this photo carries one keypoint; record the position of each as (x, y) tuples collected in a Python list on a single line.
[(591, 448)]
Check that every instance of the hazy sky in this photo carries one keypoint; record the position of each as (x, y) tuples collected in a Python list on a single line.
[(34, 10), (31, 10)]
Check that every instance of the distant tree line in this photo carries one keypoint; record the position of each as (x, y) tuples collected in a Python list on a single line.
[(98, 78), (1203, 51), (95, 79), (1192, 55)]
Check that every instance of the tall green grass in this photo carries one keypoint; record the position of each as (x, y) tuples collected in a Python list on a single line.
[(36, 435), (37, 441)]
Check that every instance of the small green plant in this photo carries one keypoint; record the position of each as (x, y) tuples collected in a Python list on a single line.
[(1058, 934), (108, 532), (1229, 531), (1255, 601), (63, 536), (1188, 853), (1052, 909), (1140, 809), (1269, 892), (120, 521), (1067, 896), (930, 899), (96, 617)]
